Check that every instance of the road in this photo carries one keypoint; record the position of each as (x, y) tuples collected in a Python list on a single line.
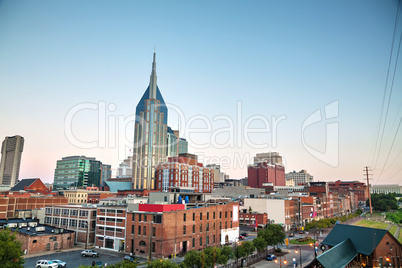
[(74, 258)]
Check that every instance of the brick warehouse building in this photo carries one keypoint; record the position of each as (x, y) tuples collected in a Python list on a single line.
[(41, 238), (166, 230), (77, 218), (11, 204), (184, 171)]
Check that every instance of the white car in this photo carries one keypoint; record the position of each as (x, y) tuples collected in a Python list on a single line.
[(89, 253), (46, 264), (61, 264)]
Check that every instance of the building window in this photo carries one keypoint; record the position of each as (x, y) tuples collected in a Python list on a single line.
[(139, 230), (231, 225), (193, 242), (48, 220), (153, 231), (207, 227), (145, 217), (73, 223), (200, 241), (184, 217), (73, 212), (220, 214), (56, 211), (144, 230), (34, 242), (193, 229), (213, 241), (48, 210), (83, 213), (226, 224), (64, 222), (213, 226), (64, 212), (56, 221), (220, 225), (142, 243), (184, 230), (133, 217), (207, 240), (132, 229), (193, 216), (201, 216), (207, 215), (200, 228), (153, 246), (226, 214), (139, 217)]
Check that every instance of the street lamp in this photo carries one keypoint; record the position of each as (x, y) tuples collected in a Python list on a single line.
[(301, 265), (280, 261)]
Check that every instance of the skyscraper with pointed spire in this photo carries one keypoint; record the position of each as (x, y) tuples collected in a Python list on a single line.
[(150, 135)]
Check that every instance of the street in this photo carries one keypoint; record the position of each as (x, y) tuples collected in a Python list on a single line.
[(74, 258)]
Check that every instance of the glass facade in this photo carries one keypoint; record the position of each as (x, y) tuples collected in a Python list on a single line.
[(77, 171)]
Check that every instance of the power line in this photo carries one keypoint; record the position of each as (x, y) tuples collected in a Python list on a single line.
[(385, 93)]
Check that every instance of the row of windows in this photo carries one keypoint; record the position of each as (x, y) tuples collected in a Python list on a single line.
[(111, 220), (69, 212), (113, 211), (142, 230), (213, 215), (68, 222)]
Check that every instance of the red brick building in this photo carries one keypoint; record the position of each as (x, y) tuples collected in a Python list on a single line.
[(42, 238), (166, 230), (263, 172), (359, 189), (254, 219), (35, 186), (184, 171), (94, 197), (11, 204)]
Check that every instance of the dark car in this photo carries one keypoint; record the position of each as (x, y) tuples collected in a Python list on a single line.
[(131, 258), (244, 234), (301, 232), (271, 257)]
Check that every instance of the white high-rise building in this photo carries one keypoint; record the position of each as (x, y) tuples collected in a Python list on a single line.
[(298, 178), (11, 151)]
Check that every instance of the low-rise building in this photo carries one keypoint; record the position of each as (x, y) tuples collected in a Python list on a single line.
[(77, 218), (40, 238), (11, 205), (111, 227), (163, 230)]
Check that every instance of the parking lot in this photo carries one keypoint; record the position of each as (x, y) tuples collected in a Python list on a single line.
[(74, 258)]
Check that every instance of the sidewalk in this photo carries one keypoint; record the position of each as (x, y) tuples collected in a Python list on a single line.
[(44, 253)]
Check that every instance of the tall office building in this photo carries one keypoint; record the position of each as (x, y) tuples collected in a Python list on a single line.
[(77, 171), (270, 158), (150, 135), (11, 151), (299, 178)]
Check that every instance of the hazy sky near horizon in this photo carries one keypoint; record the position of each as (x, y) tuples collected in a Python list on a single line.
[(302, 78)]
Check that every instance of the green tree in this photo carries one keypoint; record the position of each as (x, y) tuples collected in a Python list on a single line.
[(240, 252), (10, 250), (224, 255), (260, 243), (124, 264), (161, 263), (193, 259), (273, 235), (248, 247)]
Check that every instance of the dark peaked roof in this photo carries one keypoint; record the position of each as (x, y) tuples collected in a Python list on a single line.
[(20, 186), (364, 239), (338, 256)]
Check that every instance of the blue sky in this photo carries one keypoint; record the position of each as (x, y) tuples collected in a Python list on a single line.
[(274, 59)]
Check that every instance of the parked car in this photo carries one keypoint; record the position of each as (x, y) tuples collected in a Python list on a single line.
[(244, 234), (60, 263), (46, 264), (89, 253), (302, 232), (271, 257), (131, 258), (291, 234), (241, 237)]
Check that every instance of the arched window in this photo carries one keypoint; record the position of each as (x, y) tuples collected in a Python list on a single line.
[(33, 242), (142, 243)]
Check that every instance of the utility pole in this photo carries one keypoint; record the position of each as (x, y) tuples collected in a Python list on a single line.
[(368, 190)]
